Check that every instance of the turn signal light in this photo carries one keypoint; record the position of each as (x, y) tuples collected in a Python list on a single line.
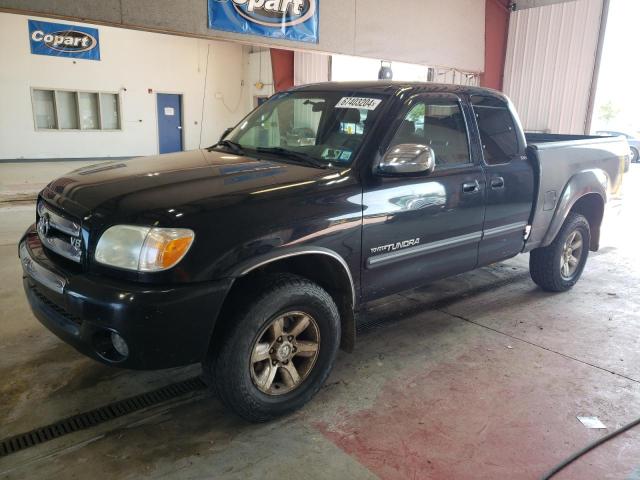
[(143, 249), (164, 248)]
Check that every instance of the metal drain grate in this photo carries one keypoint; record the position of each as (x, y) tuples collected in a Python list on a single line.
[(100, 415)]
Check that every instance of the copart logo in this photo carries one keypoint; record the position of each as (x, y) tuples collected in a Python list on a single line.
[(276, 13), (70, 41)]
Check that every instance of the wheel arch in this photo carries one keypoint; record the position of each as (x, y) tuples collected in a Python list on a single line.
[(320, 265), (586, 194), (591, 206)]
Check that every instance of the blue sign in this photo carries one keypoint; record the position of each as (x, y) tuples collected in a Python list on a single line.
[(288, 19), (62, 40)]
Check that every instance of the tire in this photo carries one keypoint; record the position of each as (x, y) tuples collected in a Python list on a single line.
[(635, 155), (282, 303), (546, 264)]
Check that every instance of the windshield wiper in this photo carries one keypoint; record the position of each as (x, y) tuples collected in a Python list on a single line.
[(299, 156), (233, 146)]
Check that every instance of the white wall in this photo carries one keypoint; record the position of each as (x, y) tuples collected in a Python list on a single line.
[(258, 70), (429, 32), (550, 64), (346, 68), (523, 4), (309, 67), (132, 62)]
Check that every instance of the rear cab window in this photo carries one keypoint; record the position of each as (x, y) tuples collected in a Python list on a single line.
[(498, 132)]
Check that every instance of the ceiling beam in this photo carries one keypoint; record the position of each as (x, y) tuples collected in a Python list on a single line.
[(523, 4)]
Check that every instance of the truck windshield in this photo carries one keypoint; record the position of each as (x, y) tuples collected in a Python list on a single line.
[(316, 128)]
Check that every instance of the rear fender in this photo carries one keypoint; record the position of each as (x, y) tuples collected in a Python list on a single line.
[(585, 183)]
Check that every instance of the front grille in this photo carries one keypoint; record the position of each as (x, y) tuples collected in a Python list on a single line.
[(60, 233), (56, 308)]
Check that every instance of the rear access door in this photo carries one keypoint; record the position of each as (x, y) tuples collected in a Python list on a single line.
[(169, 123), (509, 177), (417, 227)]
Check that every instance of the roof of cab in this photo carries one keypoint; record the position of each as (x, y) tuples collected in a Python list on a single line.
[(391, 88)]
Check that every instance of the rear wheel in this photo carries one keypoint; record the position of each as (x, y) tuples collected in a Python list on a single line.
[(558, 267), (279, 350)]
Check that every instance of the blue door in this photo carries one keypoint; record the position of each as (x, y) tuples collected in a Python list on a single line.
[(170, 122)]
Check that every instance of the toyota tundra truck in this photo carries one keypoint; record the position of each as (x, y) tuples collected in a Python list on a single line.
[(255, 256)]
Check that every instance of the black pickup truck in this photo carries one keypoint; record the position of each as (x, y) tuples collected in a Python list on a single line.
[(254, 256)]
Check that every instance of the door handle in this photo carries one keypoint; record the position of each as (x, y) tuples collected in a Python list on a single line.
[(179, 127), (471, 187), (497, 183)]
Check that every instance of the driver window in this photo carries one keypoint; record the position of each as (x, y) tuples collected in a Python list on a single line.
[(439, 125)]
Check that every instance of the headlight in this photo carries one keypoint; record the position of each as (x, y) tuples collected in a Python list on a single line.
[(143, 249)]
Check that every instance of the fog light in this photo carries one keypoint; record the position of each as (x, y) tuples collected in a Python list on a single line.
[(119, 344)]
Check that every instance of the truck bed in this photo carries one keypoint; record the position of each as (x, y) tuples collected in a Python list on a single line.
[(536, 138), (567, 167)]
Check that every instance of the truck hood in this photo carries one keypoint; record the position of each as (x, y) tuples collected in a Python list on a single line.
[(196, 178)]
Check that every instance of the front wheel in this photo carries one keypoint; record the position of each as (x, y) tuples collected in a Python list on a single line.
[(635, 155), (558, 267), (279, 351)]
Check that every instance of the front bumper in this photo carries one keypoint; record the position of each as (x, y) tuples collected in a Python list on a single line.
[(163, 326)]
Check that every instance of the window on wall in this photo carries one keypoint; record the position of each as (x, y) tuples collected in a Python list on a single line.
[(71, 110), (44, 109), (89, 111), (67, 103), (110, 111)]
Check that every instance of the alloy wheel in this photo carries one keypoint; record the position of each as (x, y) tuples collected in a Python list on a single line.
[(285, 353), (571, 255)]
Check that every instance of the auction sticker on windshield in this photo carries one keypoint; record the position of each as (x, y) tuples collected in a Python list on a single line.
[(359, 103), (337, 155)]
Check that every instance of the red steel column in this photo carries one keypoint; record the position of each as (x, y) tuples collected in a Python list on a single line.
[(497, 13), (282, 66)]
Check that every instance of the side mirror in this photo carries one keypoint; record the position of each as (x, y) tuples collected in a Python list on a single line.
[(226, 133), (408, 158)]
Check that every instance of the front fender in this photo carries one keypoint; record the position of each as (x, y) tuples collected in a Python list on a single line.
[(343, 282), (279, 254)]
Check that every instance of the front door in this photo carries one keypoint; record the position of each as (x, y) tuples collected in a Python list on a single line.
[(419, 228), (170, 122)]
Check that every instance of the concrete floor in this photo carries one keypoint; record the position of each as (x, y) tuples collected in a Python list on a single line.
[(480, 376)]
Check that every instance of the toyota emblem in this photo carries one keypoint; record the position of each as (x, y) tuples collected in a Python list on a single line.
[(43, 225)]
